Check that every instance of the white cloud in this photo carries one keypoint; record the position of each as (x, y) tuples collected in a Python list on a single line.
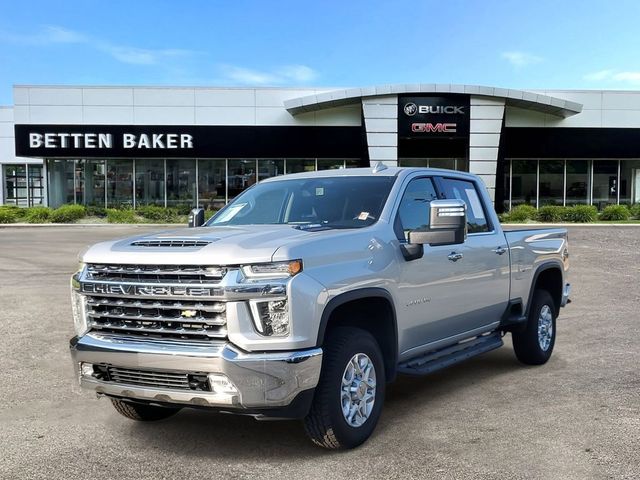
[(521, 59), (278, 76), (47, 35), (608, 75), (53, 34)]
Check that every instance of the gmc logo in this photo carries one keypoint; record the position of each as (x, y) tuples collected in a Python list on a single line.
[(434, 127)]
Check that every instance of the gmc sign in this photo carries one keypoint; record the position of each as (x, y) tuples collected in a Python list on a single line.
[(434, 127)]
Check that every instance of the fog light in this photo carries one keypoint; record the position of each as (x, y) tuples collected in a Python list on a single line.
[(220, 383), (271, 318), (86, 369)]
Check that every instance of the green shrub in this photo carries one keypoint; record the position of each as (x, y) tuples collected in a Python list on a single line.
[(522, 213), (615, 212), (581, 214), (184, 209), (120, 216), (551, 213), (18, 212), (38, 214), (95, 211), (209, 213), (158, 214), (68, 214), (7, 215), (635, 211)]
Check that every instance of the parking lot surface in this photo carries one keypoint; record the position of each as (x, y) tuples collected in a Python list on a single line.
[(576, 417)]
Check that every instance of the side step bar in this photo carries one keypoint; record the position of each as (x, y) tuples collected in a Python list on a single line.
[(448, 356)]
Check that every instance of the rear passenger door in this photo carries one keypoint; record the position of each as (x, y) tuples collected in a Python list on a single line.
[(484, 292)]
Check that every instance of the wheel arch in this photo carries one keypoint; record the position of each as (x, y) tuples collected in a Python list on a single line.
[(378, 304), (548, 276)]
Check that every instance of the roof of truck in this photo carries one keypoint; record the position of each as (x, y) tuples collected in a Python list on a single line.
[(375, 171)]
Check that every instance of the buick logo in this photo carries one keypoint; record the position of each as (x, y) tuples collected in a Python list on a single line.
[(410, 109)]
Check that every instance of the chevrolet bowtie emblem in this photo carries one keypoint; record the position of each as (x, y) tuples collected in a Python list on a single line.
[(188, 313)]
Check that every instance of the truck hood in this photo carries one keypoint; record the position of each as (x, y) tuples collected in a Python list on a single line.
[(228, 245)]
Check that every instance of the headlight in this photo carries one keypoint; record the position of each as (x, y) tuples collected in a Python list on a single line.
[(271, 317), (78, 304), (79, 308), (273, 270)]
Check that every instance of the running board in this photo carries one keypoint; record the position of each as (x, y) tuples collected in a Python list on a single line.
[(446, 357)]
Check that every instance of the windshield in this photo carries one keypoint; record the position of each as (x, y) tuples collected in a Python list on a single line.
[(332, 202)]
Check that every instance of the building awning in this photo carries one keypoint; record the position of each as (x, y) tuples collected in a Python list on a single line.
[(516, 98)]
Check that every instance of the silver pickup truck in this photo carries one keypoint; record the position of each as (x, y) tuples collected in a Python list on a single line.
[(308, 293)]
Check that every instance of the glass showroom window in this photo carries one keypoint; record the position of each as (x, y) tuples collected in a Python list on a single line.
[(212, 183), (15, 185), (524, 184), (551, 190), (181, 182), (297, 165), (119, 183), (90, 182), (578, 182), (242, 174), (61, 182), (630, 181), (268, 167), (149, 181), (330, 163), (605, 183)]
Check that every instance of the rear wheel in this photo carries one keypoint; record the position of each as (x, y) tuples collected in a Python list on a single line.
[(534, 344), (350, 392), (142, 412)]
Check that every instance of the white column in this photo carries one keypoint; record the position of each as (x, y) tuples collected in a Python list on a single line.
[(381, 124), (484, 138)]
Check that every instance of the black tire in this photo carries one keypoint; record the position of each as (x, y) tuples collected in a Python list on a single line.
[(525, 342), (142, 412), (325, 424)]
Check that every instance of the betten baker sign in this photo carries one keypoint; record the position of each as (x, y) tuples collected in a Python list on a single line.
[(433, 116)]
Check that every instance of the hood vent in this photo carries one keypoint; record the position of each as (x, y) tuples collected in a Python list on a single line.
[(177, 243)]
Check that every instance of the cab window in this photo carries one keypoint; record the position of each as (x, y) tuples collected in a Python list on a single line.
[(466, 191), (414, 207)]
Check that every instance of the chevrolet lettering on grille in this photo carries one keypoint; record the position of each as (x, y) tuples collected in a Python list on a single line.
[(149, 290)]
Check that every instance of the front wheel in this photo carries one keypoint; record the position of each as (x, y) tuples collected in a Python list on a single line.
[(534, 344), (142, 412), (350, 392)]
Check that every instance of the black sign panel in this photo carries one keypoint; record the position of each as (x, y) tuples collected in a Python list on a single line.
[(433, 116), (189, 141)]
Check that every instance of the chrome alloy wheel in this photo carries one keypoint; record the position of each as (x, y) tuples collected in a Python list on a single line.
[(545, 327), (358, 391)]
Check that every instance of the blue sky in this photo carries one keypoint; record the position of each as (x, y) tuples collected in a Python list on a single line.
[(518, 44)]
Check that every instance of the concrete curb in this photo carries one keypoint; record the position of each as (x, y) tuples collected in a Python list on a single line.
[(48, 225)]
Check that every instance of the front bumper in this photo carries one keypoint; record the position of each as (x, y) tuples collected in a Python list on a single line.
[(262, 380)]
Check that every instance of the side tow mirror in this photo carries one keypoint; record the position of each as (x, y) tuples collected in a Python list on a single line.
[(196, 217), (447, 224)]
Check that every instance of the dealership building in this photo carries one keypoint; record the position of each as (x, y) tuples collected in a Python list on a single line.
[(170, 146)]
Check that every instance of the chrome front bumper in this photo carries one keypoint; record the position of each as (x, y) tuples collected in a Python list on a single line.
[(262, 380)]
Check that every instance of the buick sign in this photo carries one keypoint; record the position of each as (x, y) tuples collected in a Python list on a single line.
[(410, 109), (429, 116)]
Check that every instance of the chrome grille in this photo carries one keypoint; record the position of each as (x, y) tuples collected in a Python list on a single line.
[(171, 243), (158, 318), (135, 311), (181, 274), (157, 379)]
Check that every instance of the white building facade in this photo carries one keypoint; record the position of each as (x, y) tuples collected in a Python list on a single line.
[(179, 146)]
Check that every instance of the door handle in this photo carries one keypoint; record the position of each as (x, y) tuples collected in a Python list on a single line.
[(454, 256), (499, 250)]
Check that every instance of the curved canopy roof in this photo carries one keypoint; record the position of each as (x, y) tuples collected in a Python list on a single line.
[(516, 98)]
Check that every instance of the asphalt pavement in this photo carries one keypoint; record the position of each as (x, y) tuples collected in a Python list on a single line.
[(578, 416)]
